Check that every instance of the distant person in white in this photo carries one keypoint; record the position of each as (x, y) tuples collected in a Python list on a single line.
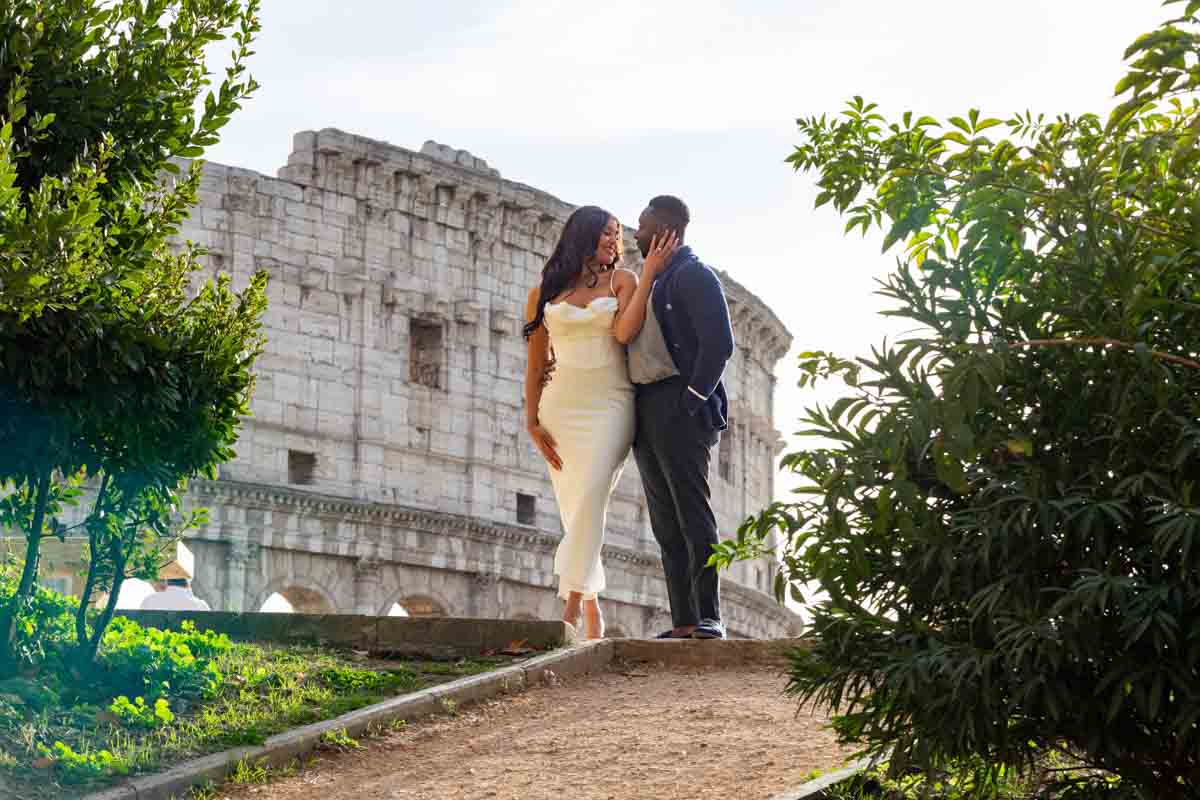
[(177, 596)]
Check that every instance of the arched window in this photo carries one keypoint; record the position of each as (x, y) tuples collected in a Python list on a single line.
[(297, 599)]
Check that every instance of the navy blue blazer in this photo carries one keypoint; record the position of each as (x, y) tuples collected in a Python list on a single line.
[(690, 306)]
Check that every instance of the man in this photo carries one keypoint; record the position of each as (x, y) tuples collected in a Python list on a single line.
[(177, 596), (676, 363), (177, 574)]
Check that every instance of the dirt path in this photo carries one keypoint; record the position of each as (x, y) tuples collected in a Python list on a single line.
[(641, 734)]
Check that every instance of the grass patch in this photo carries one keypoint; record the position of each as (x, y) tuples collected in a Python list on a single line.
[(338, 739), (160, 698)]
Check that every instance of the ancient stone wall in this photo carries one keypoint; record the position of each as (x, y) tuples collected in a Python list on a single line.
[(386, 456)]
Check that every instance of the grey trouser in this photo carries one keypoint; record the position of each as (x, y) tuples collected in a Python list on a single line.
[(673, 451)]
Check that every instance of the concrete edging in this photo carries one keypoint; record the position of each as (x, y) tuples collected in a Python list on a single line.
[(429, 636), (174, 783)]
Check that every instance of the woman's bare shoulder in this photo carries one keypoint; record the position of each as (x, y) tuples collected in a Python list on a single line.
[(624, 278)]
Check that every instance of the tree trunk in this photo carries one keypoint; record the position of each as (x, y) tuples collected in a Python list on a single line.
[(81, 631), (33, 544), (117, 552)]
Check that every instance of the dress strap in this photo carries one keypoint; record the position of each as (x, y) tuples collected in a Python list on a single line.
[(611, 278)]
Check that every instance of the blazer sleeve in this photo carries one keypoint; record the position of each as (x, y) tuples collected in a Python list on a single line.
[(707, 312)]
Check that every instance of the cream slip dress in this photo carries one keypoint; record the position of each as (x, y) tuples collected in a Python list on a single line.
[(588, 407)]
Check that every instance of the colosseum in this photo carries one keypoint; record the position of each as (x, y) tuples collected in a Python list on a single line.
[(385, 467)]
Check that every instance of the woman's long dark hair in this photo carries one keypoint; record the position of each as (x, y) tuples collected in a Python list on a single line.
[(578, 243)]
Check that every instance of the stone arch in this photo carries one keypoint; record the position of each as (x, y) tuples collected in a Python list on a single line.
[(304, 596), (416, 604)]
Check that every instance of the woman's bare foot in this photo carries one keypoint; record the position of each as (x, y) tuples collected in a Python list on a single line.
[(593, 620), (571, 609)]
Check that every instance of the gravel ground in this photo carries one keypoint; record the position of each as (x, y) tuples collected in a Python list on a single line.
[(636, 732)]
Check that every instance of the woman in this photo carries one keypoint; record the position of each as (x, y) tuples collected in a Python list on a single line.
[(582, 421)]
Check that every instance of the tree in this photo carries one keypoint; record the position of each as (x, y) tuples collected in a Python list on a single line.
[(112, 367), (1003, 514)]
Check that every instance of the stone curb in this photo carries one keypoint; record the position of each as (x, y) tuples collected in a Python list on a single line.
[(174, 783), (434, 636), (815, 789), (714, 654)]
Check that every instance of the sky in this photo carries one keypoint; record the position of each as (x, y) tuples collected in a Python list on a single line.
[(612, 103)]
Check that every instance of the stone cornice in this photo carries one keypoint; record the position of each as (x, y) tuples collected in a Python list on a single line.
[(268, 496)]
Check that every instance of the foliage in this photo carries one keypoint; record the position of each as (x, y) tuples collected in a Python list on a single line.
[(45, 625), (248, 774), (1002, 515), (339, 739), (193, 692), (138, 380), (83, 767), (348, 680), (181, 664), (140, 715), (969, 779)]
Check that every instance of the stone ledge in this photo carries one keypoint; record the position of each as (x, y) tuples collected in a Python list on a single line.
[(715, 654), (282, 748), (413, 636)]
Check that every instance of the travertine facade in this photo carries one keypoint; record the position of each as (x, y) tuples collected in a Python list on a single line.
[(386, 460)]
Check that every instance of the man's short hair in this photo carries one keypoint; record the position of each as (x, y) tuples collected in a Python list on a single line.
[(671, 210)]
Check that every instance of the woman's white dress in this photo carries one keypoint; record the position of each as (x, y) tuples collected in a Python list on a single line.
[(588, 408)]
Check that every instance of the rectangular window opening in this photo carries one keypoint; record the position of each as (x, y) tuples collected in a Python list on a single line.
[(526, 509), (425, 353), (302, 467)]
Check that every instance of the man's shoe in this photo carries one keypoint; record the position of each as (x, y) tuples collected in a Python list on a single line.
[(670, 634), (709, 629)]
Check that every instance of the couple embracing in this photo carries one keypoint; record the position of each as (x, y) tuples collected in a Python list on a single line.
[(617, 362)]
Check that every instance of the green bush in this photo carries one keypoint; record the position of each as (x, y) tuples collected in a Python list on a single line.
[(1001, 513), (139, 715), (157, 663), (118, 367), (76, 767), (44, 625)]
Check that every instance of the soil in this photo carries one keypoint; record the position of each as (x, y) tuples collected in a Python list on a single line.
[(636, 733)]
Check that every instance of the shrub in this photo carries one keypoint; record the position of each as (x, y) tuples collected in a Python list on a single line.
[(45, 624), (1003, 513), (76, 767), (113, 367), (159, 664), (139, 715)]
